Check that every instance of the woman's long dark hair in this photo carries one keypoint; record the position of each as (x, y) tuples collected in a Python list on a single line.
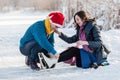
[(84, 16)]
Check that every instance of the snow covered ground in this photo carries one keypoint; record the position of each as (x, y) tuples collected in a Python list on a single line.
[(12, 67)]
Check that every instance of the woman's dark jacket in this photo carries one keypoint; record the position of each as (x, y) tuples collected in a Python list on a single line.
[(93, 37)]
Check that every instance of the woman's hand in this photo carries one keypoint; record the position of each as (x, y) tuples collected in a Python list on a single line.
[(80, 42), (56, 31)]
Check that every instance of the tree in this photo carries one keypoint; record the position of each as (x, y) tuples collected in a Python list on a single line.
[(107, 11)]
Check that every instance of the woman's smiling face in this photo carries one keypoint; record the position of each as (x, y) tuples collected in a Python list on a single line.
[(78, 20)]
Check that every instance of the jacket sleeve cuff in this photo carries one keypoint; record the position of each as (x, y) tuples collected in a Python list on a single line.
[(53, 52)]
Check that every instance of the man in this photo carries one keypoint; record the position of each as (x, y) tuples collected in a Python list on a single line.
[(39, 38)]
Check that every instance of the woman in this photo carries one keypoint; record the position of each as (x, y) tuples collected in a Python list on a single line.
[(88, 36)]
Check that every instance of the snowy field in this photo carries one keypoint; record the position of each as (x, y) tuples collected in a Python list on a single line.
[(12, 67)]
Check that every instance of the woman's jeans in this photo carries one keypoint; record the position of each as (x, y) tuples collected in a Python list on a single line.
[(69, 53), (80, 57)]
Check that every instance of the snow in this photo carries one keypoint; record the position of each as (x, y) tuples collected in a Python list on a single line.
[(12, 67)]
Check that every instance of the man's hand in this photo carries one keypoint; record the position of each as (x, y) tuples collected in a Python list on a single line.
[(53, 56), (56, 55)]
